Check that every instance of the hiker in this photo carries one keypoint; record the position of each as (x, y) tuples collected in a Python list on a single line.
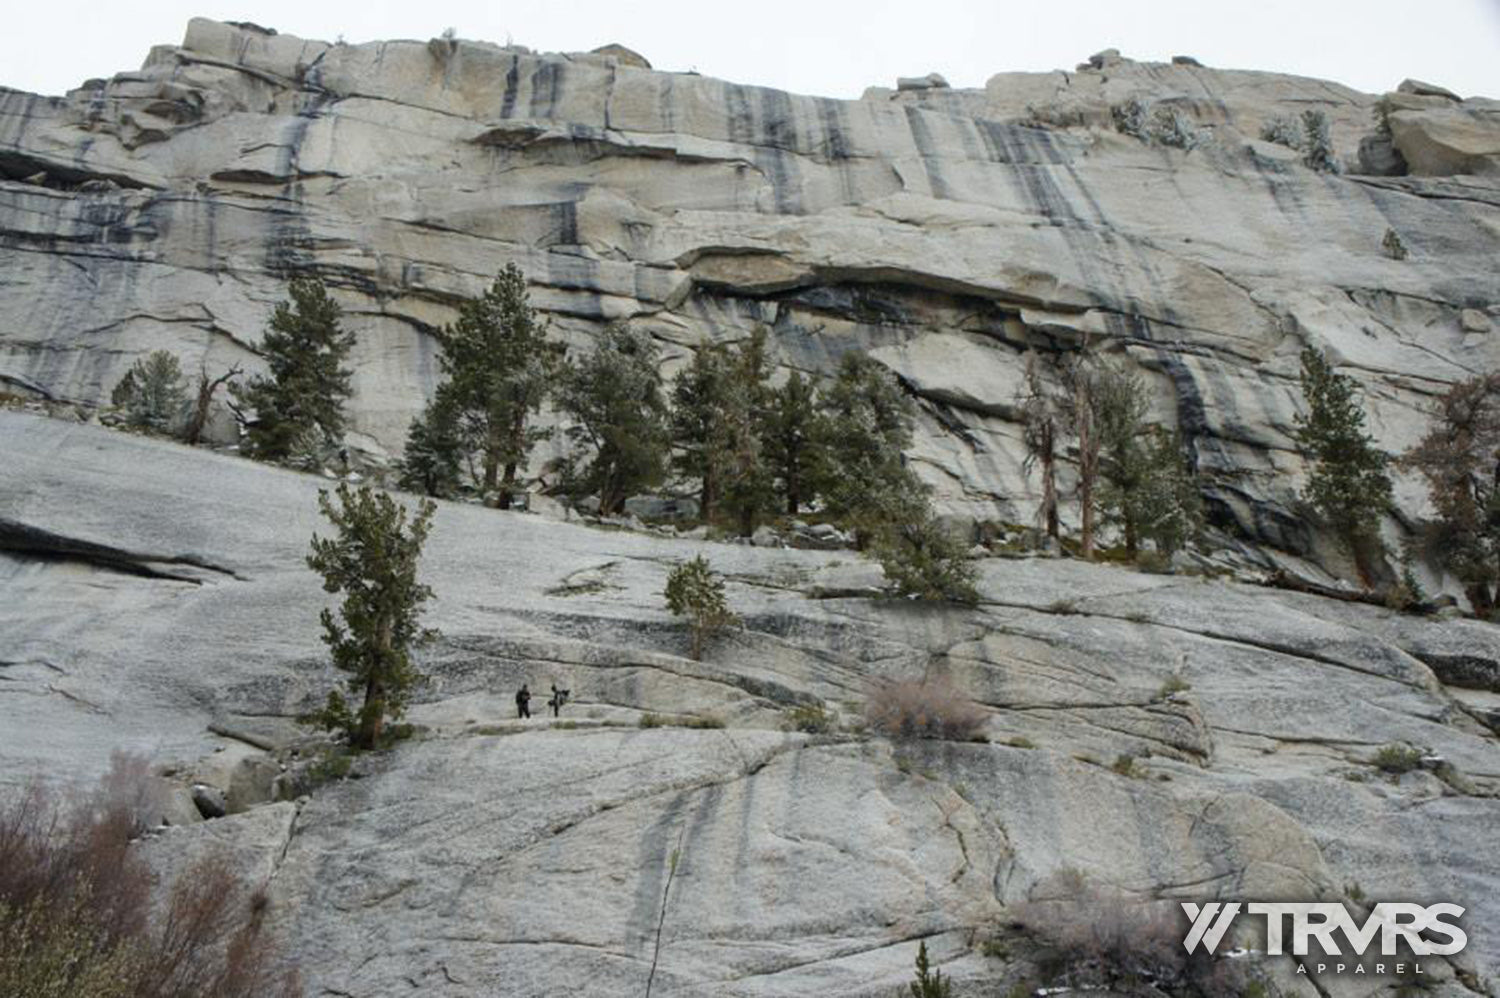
[(523, 702), (559, 697)]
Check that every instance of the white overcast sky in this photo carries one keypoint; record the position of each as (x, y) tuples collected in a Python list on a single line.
[(819, 47)]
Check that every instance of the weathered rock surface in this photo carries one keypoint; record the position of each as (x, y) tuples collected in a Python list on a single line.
[(944, 230), (489, 856), (155, 597)]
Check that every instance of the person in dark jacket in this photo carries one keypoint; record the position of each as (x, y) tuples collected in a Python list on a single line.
[(523, 702), (559, 697)]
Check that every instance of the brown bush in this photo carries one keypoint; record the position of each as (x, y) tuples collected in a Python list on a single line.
[(1085, 935), (80, 913), (933, 708)]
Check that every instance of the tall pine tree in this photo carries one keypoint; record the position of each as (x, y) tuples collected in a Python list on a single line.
[(721, 407), (793, 432), (698, 397), (1348, 483), (1460, 459), (373, 562), (619, 432), (1120, 404), (433, 460), (739, 447), (869, 423), (500, 367), (300, 402)]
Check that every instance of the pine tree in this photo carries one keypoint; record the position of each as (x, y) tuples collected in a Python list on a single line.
[(792, 437), (1348, 483), (619, 431), (1160, 497), (929, 983), (925, 562), (433, 460), (1120, 404), (868, 427), (694, 591), (373, 562), (698, 395), (1460, 459), (1043, 418), (500, 368), (720, 408), (738, 445), (1317, 144), (301, 400), (153, 395)]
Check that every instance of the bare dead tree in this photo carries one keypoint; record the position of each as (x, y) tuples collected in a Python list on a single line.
[(1042, 419), (206, 390)]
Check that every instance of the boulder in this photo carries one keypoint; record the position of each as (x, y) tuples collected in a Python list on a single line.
[(209, 801), (1472, 320), (243, 775), (1448, 141), (622, 55), (932, 81), (545, 505), (181, 806), (765, 537), (662, 507), (1421, 89), (1105, 59)]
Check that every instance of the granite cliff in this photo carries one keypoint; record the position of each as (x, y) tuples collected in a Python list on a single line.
[(155, 596), (941, 230)]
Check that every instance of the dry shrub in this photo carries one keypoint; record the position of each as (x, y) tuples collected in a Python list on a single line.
[(1087, 936), (77, 915), (933, 708)]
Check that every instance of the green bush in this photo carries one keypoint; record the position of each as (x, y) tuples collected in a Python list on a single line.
[(1396, 758), (925, 563), (809, 718), (1283, 131), (153, 395), (1173, 684), (694, 591), (1130, 118), (1317, 143)]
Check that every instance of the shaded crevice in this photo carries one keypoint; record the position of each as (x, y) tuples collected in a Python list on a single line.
[(33, 542), (665, 896)]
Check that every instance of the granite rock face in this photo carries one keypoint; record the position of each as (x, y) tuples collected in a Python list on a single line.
[(945, 230), (1165, 737), (590, 856)]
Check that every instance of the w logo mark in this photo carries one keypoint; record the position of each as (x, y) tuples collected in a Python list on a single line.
[(1210, 922)]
